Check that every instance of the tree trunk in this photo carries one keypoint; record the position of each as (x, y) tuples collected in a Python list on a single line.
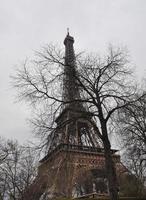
[(110, 168)]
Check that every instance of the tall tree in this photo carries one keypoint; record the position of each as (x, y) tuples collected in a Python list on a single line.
[(105, 85), (132, 128)]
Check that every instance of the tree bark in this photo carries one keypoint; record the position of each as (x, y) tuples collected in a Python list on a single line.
[(111, 171), (110, 168)]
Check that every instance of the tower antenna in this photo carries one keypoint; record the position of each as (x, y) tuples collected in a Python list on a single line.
[(67, 31)]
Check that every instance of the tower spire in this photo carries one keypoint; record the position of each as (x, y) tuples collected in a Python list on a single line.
[(67, 31), (77, 132), (69, 50), (70, 86)]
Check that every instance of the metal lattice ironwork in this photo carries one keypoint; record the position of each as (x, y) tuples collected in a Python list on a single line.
[(75, 163), (71, 127)]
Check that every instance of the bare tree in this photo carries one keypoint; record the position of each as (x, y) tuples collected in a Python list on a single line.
[(17, 170), (132, 128), (5, 149), (137, 165), (133, 125), (105, 85)]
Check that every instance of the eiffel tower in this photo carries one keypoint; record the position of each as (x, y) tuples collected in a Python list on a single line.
[(75, 163)]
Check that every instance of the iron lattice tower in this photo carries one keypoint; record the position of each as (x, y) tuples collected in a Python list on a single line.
[(75, 163), (72, 129)]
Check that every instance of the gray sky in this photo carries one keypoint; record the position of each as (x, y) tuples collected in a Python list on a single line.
[(26, 25)]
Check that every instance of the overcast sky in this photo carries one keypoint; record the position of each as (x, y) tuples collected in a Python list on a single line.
[(26, 25)]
